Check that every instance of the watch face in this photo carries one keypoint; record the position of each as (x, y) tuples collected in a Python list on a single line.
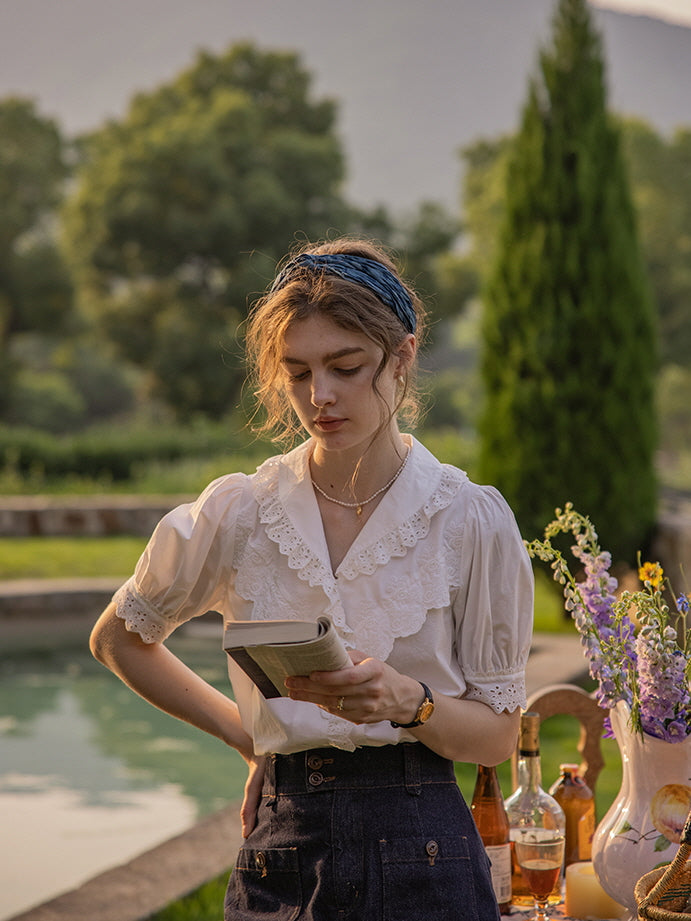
[(425, 711)]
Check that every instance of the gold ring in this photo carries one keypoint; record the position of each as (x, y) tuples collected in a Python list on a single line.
[(341, 701)]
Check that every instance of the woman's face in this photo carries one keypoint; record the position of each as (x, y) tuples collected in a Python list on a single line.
[(329, 374)]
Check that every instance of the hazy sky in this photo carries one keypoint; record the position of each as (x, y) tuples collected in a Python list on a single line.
[(672, 10), (82, 60)]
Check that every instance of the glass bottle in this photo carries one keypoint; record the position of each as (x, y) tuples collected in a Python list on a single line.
[(529, 805), (576, 799), (487, 807)]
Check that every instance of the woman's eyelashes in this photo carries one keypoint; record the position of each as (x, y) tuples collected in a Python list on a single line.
[(303, 375), (343, 372)]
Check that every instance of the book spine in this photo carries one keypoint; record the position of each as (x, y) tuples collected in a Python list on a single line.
[(255, 672)]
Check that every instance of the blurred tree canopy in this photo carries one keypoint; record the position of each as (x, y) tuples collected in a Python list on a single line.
[(661, 181), (185, 205), (35, 290), (178, 212)]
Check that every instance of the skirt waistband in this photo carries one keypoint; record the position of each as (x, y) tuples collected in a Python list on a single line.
[(411, 764)]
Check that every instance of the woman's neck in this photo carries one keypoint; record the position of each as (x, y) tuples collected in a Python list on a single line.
[(352, 475)]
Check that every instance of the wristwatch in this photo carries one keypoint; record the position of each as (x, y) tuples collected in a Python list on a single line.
[(424, 711)]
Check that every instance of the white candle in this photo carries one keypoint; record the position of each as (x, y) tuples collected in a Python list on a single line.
[(586, 900)]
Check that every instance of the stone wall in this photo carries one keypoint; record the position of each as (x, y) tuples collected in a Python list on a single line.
[(92, 516), (38, 615)]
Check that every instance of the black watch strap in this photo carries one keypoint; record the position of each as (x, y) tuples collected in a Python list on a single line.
[(424, 711)]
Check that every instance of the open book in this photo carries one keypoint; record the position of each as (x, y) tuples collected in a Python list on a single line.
[(269, 651)]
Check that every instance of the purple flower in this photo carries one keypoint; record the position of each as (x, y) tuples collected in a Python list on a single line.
[(676, 731), (647, 668)]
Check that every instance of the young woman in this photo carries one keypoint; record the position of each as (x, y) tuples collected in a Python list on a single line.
[(351, 808)]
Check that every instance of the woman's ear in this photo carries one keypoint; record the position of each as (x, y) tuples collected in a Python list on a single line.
[(405, 355)]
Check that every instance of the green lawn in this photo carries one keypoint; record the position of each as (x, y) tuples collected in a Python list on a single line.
[(68, 557), (205, 904)]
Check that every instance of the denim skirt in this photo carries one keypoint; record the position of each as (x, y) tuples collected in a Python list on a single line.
[(379, 834)]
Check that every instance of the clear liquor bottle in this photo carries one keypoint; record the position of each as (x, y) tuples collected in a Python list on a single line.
[(487, 807), (529, 806)]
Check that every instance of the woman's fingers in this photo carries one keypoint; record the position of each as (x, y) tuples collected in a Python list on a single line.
[(252, 796), (361, 694)]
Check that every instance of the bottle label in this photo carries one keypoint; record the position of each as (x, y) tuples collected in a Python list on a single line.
[(500, 857)]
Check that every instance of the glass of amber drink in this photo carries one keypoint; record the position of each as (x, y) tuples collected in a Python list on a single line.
[(540, 855)]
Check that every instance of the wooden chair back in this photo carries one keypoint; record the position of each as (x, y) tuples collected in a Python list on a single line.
[(572, 700)]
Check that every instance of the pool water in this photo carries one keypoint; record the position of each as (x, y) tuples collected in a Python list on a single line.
[(91, 775)]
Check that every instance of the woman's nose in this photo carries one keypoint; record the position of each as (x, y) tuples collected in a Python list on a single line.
[(321, 392)]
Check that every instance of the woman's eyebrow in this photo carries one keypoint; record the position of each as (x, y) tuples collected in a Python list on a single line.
[(331, 356)]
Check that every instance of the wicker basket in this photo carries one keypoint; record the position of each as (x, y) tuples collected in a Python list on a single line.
[(665, 894)]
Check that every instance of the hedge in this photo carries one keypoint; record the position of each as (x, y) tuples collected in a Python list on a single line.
[(112, 453)]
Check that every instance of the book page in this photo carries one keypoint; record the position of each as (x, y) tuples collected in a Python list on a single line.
[(257, 632)]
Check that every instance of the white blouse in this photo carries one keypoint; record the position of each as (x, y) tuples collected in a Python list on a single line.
[(437, 583)]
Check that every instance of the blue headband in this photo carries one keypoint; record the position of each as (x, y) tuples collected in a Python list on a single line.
[(366, 272)]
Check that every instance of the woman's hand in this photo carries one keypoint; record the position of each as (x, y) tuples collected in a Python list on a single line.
[(253, 793), (367, 692), (370, 691)]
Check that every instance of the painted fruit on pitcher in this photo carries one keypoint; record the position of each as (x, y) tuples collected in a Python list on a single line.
[(669, 810)]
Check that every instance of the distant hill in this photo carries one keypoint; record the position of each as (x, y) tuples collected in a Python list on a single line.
[(416, 81)]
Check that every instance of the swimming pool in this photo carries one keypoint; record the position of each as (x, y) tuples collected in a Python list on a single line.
[(91, 775)]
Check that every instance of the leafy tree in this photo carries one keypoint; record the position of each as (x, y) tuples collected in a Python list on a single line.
[(661, 182), (568, 332), (484, 185), (35, 292), (183, 207), (425, 239)]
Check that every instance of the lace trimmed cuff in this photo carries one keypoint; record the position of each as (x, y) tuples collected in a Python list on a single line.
[(139, 616), (500, 690)]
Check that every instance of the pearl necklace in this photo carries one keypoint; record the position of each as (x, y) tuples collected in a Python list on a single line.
[(358, 505)]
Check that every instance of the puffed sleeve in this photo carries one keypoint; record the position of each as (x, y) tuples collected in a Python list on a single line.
[(186, 565), (494, 606)]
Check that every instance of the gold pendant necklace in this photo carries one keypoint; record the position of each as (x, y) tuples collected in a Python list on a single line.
[(358, 505)]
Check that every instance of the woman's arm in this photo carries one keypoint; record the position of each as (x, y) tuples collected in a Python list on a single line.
[(462, 730), (156, 674), (153, 672)]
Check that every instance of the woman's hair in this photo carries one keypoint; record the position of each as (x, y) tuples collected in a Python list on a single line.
[(355, 307)]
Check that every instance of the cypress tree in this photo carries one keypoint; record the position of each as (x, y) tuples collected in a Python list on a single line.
[(569, 338)]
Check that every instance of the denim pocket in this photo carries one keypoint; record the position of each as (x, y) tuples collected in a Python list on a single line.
[(426, 878), (264, 884)]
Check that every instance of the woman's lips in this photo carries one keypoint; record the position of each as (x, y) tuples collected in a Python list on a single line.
[(328, 423)]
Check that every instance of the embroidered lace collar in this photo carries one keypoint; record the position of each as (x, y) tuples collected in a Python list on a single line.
[(287, 501)]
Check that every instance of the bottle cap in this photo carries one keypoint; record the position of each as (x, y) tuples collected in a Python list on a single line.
[(573, 769)]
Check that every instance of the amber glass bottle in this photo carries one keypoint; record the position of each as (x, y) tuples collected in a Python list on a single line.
[(576, 799), (487, 807)]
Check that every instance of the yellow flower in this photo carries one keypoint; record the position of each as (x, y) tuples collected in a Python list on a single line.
[(651, 573)]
